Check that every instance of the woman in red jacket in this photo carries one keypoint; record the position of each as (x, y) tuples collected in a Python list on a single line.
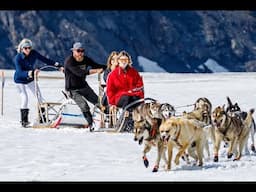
[(124, 83)]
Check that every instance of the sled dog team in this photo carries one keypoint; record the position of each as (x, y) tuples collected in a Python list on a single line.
[(156, 124)]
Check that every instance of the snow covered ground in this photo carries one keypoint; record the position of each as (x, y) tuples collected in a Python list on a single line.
[(71, 154)]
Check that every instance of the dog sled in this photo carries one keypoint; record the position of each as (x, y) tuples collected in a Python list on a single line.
[(119, 120), (67, 114)]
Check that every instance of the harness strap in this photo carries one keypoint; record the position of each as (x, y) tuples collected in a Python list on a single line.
[(227, 127), (153, 132), (175, 139)]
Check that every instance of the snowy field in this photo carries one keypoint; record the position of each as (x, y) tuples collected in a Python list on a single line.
[(71, 154)]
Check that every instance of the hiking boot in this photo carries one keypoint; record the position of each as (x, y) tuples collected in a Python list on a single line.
[(24, 117), (88, 117)]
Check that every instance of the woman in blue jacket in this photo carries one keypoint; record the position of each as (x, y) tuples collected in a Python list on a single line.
[(24, 75)]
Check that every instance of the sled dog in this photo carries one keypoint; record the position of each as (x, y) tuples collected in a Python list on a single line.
[(205, 107), (235, 111), (230, 129), (147, 119), (183, 134)]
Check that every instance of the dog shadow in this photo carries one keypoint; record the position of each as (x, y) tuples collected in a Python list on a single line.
[(196, 167)]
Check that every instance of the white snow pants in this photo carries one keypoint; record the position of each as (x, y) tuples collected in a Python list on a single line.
[(22, 89)]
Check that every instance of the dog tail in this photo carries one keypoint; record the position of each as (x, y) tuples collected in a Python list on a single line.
[(249, 118)]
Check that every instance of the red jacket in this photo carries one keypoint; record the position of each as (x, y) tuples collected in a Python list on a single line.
[(122, 82)]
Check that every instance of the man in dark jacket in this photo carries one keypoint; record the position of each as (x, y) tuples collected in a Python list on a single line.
[(76, 67)]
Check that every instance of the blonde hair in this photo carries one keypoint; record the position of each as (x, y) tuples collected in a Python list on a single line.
[(23, 42), (112, 54), (124, 53)]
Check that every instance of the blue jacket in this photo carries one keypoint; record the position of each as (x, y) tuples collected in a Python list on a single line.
[(24, 64)]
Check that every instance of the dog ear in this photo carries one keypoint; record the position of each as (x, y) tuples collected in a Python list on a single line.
[(229, 101)]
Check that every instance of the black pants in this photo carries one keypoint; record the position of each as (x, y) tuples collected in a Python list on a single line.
[(80, 96), (126, 100)]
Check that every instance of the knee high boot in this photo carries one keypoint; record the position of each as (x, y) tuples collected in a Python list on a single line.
[(24, 117)]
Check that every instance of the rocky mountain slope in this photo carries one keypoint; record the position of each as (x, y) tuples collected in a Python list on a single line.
[(179, 41)]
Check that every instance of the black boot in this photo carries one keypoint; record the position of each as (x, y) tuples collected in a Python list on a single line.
[(24, 117), (42, 117), (88, 117)]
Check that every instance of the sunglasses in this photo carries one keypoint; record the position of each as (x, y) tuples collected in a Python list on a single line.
[(80, 50), (26, 48), (123, 59)]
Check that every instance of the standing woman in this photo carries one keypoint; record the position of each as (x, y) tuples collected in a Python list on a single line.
[(25, 72)]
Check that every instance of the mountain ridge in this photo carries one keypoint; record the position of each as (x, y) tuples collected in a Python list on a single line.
[(178, 41)]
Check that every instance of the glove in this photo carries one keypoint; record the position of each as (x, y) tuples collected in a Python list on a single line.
[(57, 64), (30, 74)]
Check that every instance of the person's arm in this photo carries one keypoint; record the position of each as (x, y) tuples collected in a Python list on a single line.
[(94, 65), (138, 82), (44, 59), (110, 91), (98, 70), (139, 85), (49, 61)]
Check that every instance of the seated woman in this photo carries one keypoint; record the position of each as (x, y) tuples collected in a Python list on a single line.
[(111, 65), (124, 83)]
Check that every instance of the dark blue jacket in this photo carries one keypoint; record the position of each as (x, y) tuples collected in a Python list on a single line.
[(24, 64)]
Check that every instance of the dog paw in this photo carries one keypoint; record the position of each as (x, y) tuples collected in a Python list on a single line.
[(177, 162), (167, 168), (230, 155), (145, 161), (216, 159), (141, 141), (253, 148), (155, 169)]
